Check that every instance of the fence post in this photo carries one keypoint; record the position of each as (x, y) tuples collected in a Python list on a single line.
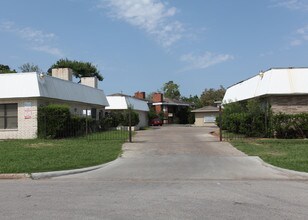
[(220, 124), (87, 123), (130, 124)]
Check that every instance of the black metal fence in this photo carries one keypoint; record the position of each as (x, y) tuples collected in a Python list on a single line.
[(63, 126), (228, 136)]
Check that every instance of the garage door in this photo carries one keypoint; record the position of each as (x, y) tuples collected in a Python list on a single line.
[(209, 119)]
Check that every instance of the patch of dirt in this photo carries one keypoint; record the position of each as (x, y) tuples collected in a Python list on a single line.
[(40, 145), (215, 133)]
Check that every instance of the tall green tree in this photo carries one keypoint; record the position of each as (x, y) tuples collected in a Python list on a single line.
[(210, 96), (6, 69), (30, 67), (171, 90), (194, 100), (80, 68)]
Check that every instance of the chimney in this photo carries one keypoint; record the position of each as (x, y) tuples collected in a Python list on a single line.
[(157, 97), (90, 81), (62, 73), (140, 95)]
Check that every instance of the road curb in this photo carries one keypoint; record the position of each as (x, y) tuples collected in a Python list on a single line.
[(8, 176), (46, 175), (302, 175)]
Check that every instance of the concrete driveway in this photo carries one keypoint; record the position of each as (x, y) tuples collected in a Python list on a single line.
[(168, 173), (183, 153)]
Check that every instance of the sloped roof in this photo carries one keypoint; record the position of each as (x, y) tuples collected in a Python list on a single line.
[(168, 101), (28, 85), (122, 102), (277, 81), (206, 109)]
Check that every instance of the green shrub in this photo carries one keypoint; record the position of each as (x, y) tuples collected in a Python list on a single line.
[(56, 121), (250, 118), (290, 125), (191, 118), (152, 114), (134, 118), (182, 115), (111, 120), (53, 120)]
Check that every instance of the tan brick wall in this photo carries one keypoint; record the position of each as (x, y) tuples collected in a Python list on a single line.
[(289, 104), (199, 118), (27, 127)]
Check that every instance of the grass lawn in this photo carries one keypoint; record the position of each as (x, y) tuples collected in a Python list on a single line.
[(289, 154), (28, 156)]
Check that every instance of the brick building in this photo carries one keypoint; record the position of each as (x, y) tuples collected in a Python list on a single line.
[(169, 107), (22, 93), (284, 89)]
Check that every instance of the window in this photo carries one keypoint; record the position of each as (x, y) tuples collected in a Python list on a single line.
[(209, 119), (8, 116)]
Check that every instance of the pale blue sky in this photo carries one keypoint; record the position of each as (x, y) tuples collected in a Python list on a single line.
[(141, 44)]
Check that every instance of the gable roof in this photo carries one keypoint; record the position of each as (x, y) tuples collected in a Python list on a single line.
[(122, 102), (30, 85), (276, 81), (206, 109)]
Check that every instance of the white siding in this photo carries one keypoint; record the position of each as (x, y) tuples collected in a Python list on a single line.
[(272, 82)]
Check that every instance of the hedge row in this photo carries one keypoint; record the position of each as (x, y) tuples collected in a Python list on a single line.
[(56, 121), (290, 126), (248, 118), (254, 118)]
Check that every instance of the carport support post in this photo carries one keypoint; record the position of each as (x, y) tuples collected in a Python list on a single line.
[(220, 124)]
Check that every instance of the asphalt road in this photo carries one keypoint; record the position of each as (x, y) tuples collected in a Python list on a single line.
[(168, 173)]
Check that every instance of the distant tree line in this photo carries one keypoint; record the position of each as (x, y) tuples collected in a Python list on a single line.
[(80, 68)]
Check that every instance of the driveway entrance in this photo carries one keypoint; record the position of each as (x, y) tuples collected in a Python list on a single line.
[(183, 153), (168, 173)]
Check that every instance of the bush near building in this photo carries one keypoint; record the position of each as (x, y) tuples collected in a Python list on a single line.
[(290, 126), (56, 121), (253, 118), (249, 118)]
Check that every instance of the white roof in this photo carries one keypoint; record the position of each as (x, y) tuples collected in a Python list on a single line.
[(28, 85), (289, 81), (123, 102)]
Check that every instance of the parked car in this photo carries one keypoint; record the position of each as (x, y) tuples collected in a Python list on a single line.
[(156, 122)]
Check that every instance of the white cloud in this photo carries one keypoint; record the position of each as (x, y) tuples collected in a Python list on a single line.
[(301, 36), (152, 16), (203, 61), (38, 40), (50, 50), (291, 4)]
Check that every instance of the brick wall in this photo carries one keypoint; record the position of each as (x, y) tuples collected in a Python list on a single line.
[(157, 97), (139, 95), (27, 120), (289, 104)]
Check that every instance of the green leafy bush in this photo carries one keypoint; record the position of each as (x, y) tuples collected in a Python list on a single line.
[(250, 118), (56, 121), (134, 118), (52, 120), (111, 120), (290, 125)]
